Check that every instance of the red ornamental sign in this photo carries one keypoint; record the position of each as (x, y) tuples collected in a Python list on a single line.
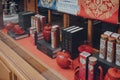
[(105, 10)]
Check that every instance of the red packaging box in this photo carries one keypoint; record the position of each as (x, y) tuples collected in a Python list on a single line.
[(83, 59)]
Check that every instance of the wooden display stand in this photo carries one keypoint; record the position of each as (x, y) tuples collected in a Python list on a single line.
[(66, 20), (89, 31), (49, 16), (14, 67), (23, 62), (6, 72), (31, 5)]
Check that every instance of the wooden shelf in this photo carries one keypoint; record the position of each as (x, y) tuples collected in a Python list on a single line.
[(105, 64)]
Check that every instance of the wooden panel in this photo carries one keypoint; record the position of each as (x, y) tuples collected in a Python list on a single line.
[(36, 6), (5, 73), (25, 5), (23, 68), (66, 20), (10, 65), (31, 5), (18, 78), (15, 77), (49, 16), (89, 31)]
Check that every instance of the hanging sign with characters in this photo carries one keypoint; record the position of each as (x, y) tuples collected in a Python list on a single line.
[(105, 10), (51, 4), (68, 6)]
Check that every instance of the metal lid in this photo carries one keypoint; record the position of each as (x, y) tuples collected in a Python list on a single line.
[(118, 40), (104, 36), (92, 59), (111, 39)]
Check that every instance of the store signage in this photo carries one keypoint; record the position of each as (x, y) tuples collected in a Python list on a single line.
[(68, 6), (51, 4), (73, 2), (105, 10)]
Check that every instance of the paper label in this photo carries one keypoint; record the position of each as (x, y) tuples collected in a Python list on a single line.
[(115, 35), (91, 71), (73, 2), (102, 48), (110, 51), (118, 54), (108, 33), (68, 8)]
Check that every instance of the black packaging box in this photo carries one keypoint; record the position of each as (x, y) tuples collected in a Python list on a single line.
[(46, 48), (72, 39), (75, 39), (25, 19), (64, 36), (17, 36)]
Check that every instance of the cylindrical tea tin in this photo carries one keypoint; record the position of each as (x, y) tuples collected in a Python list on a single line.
[(111, 49), (92, 62), (117, 59), (53, 38), (103, 46)]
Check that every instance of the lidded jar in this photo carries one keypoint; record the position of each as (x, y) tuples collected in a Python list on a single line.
[(103, 46), (47, 32), (117, 59), (111, 49), (91, 65)]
